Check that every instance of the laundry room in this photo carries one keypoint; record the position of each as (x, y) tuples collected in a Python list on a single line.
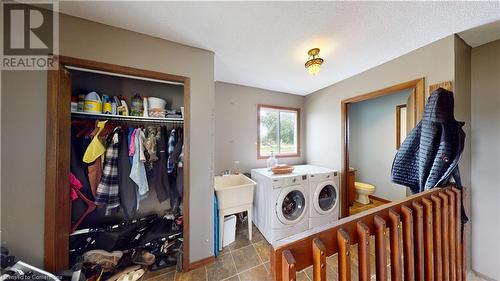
[(250, 140)]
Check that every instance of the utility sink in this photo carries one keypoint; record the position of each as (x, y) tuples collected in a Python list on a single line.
[(234, 190), (234, 195)]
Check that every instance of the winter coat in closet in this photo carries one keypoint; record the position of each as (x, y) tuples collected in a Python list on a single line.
[(128, 188)]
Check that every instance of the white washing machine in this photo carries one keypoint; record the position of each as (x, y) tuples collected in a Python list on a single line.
[(281, 204), (323, 193)]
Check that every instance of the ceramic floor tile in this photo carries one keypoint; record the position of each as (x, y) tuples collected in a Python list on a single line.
[(258, 273), (302, 276), (245, 258), (333, 262), (222, 268), (267, 265), (309, 272), (232, 278), (241, 240), (263, 249), (153, 274), (224, 251), (331, 272), (199, 274), (163, 277), (256, 235)]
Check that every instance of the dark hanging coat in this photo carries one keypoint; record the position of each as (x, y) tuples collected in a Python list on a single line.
[(431, 152)]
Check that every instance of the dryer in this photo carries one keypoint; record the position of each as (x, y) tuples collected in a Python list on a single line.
[(323, 193), (281, 204)]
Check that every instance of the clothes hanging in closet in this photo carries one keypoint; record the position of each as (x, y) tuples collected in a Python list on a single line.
[(128, 187), (134, 161), (166, 176), (108, 189)]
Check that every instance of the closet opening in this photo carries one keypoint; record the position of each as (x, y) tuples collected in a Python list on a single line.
[(117, 168)]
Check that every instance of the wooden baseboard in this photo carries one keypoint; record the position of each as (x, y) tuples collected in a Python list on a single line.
[(379, 199), (201, 263)]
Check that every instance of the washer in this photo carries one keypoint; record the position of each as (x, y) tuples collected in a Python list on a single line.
[(323, 193), (281, 204)]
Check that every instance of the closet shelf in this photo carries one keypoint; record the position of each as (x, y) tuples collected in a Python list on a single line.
[(126, 118)]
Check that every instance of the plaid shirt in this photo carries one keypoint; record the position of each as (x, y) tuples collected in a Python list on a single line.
[(108, 189)]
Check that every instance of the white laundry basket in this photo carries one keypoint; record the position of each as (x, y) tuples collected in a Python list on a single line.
[(229, 230)]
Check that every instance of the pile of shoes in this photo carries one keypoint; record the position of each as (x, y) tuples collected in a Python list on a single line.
[(124, 252), (104, 265)]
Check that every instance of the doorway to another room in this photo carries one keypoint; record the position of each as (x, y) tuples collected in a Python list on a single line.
[(374, 125)]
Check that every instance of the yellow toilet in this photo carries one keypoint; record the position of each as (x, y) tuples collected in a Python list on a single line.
[(363, 190)]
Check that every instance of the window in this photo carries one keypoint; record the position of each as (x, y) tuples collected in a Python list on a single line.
[(278, 131)]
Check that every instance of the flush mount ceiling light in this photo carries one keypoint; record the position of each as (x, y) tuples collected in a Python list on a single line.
[(314, 62)]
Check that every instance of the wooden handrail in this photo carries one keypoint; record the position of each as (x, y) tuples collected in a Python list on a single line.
[(420, 235)]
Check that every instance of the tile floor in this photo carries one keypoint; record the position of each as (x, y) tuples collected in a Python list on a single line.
[(245, 260), (242, 260), (358, 208)]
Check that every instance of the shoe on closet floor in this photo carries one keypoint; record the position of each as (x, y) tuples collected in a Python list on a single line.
[(108, 260), (132, 273), (143, 257)]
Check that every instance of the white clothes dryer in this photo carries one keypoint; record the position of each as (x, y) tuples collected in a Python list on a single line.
[(323, 193)]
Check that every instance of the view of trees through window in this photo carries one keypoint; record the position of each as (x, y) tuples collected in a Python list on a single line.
[(278, 131)]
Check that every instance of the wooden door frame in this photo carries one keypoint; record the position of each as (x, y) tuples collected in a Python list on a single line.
[(418, 85), (57, 199)]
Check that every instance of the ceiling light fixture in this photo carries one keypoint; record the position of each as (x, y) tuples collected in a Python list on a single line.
[(314, 62)]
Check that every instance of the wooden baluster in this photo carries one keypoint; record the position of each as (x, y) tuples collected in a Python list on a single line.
[(395, 232), (451, 233), (363, 251), (418, 229), (409, 265), (344, 243), (444, 232), (436, 217), (288, 266), (319, 260), (428, 240), (380, 249), (458, 225)]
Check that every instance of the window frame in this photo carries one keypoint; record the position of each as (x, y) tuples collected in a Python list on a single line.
[(280, 155)]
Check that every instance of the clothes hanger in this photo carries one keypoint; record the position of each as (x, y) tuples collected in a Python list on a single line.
[(91, 206), (82, 130)]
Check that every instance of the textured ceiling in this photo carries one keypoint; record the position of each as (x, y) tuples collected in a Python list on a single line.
[(264, 44)]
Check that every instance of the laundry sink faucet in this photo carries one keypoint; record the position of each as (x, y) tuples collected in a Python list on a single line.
[(225, 173)]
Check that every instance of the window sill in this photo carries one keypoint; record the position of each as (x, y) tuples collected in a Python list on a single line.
[(279, 156)]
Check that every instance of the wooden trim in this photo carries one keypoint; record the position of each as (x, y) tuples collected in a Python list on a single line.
[(379, 199), (419, 101), (385, 91), (283, 155), (398, 124), (201, 263), (57, 162), (102, 66), (186, 171), (344, 175), (57, 200)]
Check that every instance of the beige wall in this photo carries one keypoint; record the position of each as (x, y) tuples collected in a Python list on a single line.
[(485, 193), (23, 114), (435, 62), (236, 125), (462, 91), (23, 163)]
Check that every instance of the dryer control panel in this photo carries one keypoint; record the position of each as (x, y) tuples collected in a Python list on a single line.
[(289, 181)]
